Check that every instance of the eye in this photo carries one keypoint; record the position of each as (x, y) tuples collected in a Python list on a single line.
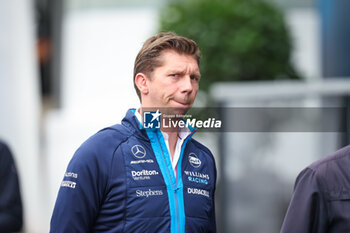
[(174, 75), (194, 77)]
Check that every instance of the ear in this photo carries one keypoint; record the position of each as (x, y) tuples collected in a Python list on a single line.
[(142, 82)]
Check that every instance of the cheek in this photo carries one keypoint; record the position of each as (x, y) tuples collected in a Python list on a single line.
[(162, 95), (169, 90), (195, 91)]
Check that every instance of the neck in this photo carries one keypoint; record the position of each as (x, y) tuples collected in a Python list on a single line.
[(172, 140)]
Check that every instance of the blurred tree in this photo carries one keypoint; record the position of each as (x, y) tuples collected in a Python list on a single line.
[(241, 40)]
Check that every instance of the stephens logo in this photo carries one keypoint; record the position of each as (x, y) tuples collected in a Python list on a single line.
[(148, 193), (151, 119), (194, 160), (138, 151)]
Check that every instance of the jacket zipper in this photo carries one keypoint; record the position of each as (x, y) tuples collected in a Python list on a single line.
[(174, 188)]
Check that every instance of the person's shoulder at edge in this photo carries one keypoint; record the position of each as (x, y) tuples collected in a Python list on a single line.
[(339, 157), (2, 145), (327, 168), (6, 155)]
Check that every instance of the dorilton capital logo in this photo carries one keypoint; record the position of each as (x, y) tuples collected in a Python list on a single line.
[(144, 173)]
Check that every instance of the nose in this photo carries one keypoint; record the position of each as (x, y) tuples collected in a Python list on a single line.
[(186, 84)]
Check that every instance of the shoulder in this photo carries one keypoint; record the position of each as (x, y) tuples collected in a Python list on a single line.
[(201, 147), (340, 158), (3, 147), (329, 171), (102, 145), (110, 136), (5, 154)]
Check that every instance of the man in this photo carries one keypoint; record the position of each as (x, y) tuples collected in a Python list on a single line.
[(11, 216), (321, 198), (128, 178)]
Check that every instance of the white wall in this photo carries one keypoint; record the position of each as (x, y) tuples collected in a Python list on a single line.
[(304, 25), (19, 103)]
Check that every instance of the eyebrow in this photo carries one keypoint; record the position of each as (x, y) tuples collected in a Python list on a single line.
[(182, 71)]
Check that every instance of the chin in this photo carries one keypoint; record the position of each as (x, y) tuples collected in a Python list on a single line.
[(174, 107), (179, 110)]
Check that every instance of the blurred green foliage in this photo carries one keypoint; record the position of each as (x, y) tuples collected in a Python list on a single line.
[(240, 40)]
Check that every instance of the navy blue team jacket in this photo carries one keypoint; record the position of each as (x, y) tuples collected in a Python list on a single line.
[(11, 211), (321, 199), (121, 180)]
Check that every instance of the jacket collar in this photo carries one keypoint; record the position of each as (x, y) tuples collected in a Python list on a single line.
[(132, 123)]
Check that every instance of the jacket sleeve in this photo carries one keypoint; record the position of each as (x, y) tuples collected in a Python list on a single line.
[(81, 192), (307, 211), (11, 216), (213, 215), (213, 219)]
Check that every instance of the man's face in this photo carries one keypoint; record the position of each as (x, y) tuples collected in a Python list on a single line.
[(173, 85)]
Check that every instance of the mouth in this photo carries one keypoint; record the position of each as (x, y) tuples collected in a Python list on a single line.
[(182, 102)]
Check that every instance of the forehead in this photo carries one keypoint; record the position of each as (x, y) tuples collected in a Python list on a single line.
[(171, 58)]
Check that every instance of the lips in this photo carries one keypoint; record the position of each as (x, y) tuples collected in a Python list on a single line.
[(182, 102)]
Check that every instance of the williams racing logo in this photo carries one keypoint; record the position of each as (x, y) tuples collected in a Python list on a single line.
[(197, 177)]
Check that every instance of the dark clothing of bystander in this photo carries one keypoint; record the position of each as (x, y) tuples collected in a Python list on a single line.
[(321, 198), (11, 217)]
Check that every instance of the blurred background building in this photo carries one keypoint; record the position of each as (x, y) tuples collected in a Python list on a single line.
[(66, 72)]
